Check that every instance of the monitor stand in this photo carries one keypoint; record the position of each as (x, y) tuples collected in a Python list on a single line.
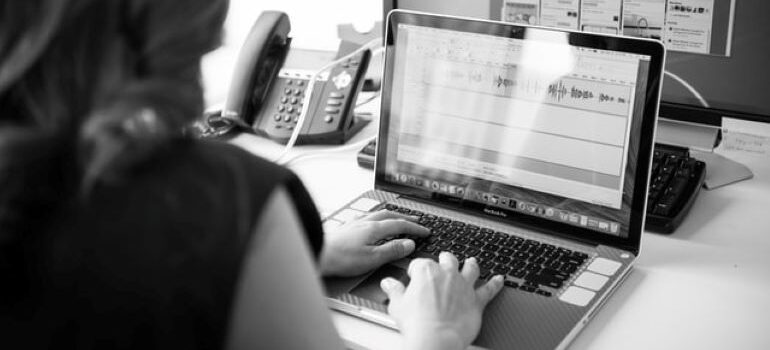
[(701, 140)]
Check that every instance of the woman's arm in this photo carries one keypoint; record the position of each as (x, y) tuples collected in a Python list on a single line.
[(279, 301)]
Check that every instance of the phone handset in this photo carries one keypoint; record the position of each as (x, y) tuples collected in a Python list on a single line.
[(267, 99)]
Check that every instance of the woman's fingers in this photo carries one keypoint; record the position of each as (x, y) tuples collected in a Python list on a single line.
[(385, 215), (470, 270), (448, 261), (392, 287), (389, 228), (487, 292)]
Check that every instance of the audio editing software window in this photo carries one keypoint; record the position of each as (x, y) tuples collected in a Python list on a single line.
[(533, 113)]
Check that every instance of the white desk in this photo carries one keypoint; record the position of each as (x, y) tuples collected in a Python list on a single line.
[(707, 286)]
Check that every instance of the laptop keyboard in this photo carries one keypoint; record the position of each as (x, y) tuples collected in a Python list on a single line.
[(527, 264)]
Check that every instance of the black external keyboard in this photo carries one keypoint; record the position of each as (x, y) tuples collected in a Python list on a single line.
[(527, 264), (675, 181)]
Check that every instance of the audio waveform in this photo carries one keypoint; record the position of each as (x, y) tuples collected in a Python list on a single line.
[(472, 77), (503, 82)]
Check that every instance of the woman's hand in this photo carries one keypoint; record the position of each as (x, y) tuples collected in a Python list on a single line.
[(440, 309), (350, 250)]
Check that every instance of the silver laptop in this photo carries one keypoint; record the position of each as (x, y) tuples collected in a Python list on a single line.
[(526, 147)]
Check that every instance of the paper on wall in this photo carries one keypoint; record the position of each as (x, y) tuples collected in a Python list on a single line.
[(644, 18), (521, 11), (600, 16), (688, 25), (560, 13)]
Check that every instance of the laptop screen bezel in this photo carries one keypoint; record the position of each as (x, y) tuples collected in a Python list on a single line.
[(653, 49)]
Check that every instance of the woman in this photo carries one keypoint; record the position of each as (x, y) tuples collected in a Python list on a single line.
[(117, 231)]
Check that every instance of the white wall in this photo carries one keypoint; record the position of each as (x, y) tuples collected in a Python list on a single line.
[(314, 25)]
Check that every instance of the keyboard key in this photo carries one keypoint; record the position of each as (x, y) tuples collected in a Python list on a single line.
[(521, 255), (532, 242), (436, 224), (501, 270), (512, 284), (481, 236), (545, 280), (406, 211), (532, 267), (555, 264), (493, 248), (569, 268), (471, 251), (527, 288), (430, 248), (447, 236), (517, 264), (517, 273), (487, 255), (500, 259), (505, 251), (544, 293), (457, 248)]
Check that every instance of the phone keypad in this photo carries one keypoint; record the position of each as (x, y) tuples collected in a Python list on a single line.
[(291, 104)]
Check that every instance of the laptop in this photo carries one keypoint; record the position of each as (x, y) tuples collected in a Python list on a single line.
[(526, 147)]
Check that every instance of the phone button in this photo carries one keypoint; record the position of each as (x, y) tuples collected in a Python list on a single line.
[(287, 118), (328, 119), (332, 110), (277, 117), (281, 108), (336, 95), (333, 103)]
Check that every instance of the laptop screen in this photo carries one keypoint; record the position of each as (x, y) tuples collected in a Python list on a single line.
[(526, 124)]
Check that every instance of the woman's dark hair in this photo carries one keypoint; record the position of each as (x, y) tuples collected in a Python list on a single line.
[(88, 90)]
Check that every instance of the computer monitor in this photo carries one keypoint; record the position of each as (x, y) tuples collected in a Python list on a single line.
[(718, 63)]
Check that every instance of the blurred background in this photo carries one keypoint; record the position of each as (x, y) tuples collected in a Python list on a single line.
[(308, 31)]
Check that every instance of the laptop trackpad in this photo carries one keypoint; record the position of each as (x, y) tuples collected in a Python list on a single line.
[(370, 288)]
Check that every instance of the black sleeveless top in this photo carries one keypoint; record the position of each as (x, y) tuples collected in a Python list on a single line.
[(153, 261)]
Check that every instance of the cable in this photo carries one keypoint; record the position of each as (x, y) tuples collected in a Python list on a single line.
[(356, 145), (309, 92), (689, 87), (369, 99)]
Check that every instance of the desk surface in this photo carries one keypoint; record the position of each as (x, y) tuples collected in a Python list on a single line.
[(706, 286)]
